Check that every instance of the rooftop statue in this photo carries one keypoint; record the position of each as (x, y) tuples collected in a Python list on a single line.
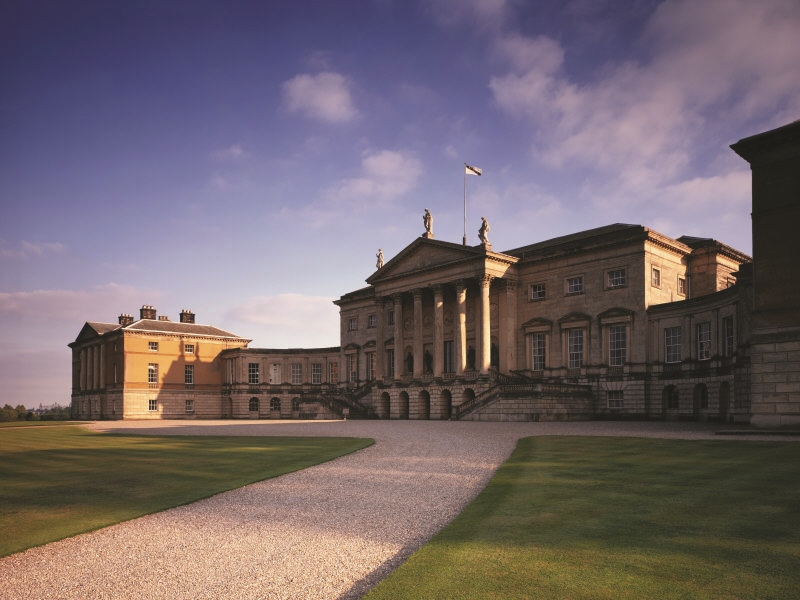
[(379, 256), (427, 219), (483, 232)]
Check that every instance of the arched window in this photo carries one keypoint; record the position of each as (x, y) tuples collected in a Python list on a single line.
[(295, 404), (254, 404), (275, 404), (671, 398)]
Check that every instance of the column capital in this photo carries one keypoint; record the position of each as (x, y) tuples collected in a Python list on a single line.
[(485, 280)]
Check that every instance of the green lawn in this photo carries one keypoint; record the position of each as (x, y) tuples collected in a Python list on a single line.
[(580, 517), (62, 480)]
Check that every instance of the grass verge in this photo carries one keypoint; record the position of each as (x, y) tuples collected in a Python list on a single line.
[(572, 517), (61, 481)]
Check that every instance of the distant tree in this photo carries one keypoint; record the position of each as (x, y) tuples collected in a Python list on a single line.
[(8, 413)]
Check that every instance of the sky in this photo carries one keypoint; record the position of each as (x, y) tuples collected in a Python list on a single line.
[(245, 159)]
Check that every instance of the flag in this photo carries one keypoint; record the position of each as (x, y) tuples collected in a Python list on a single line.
[(472, 170)]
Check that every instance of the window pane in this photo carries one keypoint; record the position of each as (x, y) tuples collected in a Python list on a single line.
[(672, 341), (618, 346), (616, 278), (575, 345), (703, 341), (537, 351)]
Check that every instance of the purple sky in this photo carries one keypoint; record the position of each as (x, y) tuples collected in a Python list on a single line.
[(246, 160)]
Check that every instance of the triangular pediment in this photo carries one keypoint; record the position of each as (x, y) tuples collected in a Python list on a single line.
[(425, 254), (92, 330)]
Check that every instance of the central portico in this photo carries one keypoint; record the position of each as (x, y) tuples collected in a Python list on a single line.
[(437, 310)]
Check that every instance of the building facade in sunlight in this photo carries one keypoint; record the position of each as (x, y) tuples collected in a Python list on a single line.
[(149, 367), (618, 322)]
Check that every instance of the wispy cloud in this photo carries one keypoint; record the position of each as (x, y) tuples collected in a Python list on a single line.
[(325, 96), (234, 152), (75, 306), (639, 122), (288, 320), (385, 174), (27, 250)]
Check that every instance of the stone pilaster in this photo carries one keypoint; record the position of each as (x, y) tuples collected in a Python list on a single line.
[(485, 326), (461, 328), (399, 343), (418, 358), (438, 331)]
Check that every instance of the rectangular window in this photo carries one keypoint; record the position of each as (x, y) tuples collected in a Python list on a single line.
[(333, 372), (352, 324), (370, 366), (153, 346), (352, 368), (615, 399), (617, 278), (538, 292), (704, 341), (252, 374), (617, 345), (390, 363), (190, 406), (449, 357), (152, 405), (537, 351), (372, 321), (575, 285), (297, 374), (152, 373), (391, 317), (188, 374), (682, 286), (655, 277), (672, 344), (730, 336), (316, 373), (575, 348), (188, 348)]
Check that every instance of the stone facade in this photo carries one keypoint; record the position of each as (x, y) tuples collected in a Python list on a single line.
[(774, 158), (149, 368), (618, 322)]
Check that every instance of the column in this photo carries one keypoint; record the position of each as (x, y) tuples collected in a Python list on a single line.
[(380, 353), (90, 368), (507, 337), (438, 331), (418, 358), (485, 326), (461, 328), (399, 359), (102, 366), (82, 376)]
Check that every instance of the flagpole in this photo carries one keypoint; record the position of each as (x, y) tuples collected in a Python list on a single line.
[(464, 242)]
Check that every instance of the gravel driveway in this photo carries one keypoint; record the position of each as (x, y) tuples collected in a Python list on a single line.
[(330, 531)]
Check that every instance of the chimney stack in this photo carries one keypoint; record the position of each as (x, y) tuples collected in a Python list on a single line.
[(187, 316), (125, 319), (147, 312)]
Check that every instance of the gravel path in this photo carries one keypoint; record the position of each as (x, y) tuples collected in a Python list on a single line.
[(330, 531)]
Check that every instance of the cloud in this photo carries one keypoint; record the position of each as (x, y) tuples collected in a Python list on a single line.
[(27, 250), (75, 306), (385, 174), (289, 320), (325, 96), (485, 14), (234, 152), (640, 122)]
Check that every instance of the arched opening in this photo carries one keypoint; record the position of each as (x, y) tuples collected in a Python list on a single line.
[(445, 408), (467, 396), (402, 406), (275, 406), (423, 406), (384, 405), (670, 401), (724, 401), (700, 401), (253, 405)]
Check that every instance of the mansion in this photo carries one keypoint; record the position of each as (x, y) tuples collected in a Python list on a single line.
[(618, 322)]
